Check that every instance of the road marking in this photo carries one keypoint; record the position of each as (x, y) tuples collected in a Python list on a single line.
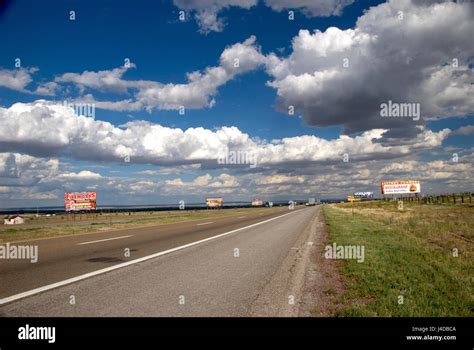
[(103, 240), (128, 263), (205, 223), (241, 217)]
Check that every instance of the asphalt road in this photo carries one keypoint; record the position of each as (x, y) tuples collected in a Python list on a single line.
[(225, 276)]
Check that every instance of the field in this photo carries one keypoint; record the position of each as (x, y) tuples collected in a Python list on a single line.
[(418, 261), (61, 225)]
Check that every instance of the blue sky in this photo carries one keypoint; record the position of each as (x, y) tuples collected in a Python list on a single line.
[(284, 66), (164, 49)]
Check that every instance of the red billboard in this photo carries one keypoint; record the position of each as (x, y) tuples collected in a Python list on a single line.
[(400, 187), (85, 201)]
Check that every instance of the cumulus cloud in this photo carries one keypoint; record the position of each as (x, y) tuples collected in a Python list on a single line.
[(44, 129), (42, 179), (20, 170), (404, 51)]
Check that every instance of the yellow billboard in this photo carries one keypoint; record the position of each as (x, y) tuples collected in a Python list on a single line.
[(217, 202)]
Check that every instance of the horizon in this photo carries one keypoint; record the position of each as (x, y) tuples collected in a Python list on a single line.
[(252, 102)]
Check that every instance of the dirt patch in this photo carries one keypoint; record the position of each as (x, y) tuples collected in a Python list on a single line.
[(322, 284)]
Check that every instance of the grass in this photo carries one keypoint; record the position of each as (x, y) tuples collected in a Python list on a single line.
[(60, 227), (408, 253)]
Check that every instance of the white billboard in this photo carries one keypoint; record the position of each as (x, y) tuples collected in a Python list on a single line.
[(400, 187), (363, 194)]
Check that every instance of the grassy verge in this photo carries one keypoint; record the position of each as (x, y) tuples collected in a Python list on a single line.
[(61, 228), (408, 253)]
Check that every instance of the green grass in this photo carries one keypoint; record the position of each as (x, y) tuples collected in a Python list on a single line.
[(407, 253)]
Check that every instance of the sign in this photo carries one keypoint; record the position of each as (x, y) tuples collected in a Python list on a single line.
[(85, 201), (215, 202), (352, 199), (257, 202), (364, 194), (400, 187)]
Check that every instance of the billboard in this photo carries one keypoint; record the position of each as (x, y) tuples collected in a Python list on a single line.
[(400, 187), (364, 194), (215, 202), (353, 199), (257, 202), (85, 201)]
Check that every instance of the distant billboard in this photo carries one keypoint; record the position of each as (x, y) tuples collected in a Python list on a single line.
[(215, 202), (257, 202), (85, 201), (364, 194), (400, 187)]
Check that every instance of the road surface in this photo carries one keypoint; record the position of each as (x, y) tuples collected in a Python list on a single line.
[(244, 267)]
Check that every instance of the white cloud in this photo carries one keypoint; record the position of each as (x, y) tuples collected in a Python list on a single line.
[(311, 8), (16, 79), (407, 60), (19, 79), (204, 184), (279, 179), (197, 92), (44, 129), (84, 174), (464, 130), (104, 80), (207, 12), (15, 165)]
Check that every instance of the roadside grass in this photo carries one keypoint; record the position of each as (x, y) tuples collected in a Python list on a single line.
[(408, 253), (62, 228)]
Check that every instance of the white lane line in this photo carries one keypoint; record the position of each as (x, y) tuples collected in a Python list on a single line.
[(128, 263), (241, 217), (205, 223), (103, 240)]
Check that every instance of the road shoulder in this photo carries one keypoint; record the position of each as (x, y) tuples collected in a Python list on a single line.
[(299, 286)]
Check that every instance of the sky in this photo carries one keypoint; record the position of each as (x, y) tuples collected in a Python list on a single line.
[(158, 102)]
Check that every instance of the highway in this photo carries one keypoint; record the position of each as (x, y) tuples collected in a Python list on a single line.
[(228, 266)]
